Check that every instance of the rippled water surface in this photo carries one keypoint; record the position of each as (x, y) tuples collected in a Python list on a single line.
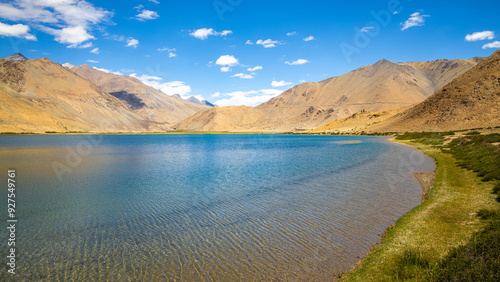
[(202, 207)]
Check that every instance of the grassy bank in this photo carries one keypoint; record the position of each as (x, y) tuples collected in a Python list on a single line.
[(460, 210)]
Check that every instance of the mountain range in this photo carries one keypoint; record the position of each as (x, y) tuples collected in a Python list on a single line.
[(39, 96), (382, 86), (472, 100)]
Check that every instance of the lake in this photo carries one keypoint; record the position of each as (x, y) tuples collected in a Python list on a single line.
[(202, 207)]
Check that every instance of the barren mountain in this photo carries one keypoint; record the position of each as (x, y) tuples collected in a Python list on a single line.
[(14, 58), (145, 101), (39, 95), (379, 87), (470, 101)]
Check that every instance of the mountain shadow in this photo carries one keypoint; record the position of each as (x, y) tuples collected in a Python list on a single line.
[(131, 99)]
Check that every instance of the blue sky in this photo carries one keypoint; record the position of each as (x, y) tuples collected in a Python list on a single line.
[(235, 52)]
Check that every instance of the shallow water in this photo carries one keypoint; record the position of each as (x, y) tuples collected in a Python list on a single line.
[(202, 207)]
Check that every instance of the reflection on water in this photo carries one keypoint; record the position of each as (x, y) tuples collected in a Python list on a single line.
[(203, 207)]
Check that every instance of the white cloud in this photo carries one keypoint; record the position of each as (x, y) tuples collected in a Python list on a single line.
[(74, 36), (309, 38), (255, 68), (297, 62), (216, 94), (171, 51), (132, 42), (227, 60), (108, 71), (291, 33), (145, 15), (243, 75), (395, 13), (154, 1), (302, 81), (204, 33), (416, 19), (495, 44), (269, 43), (367, 28), (92, 61), (68, 20), (483, 35), (170, 88), (225, 69), (95, 51), (17, 30), (247, 98), (249, 42), (280, 83)]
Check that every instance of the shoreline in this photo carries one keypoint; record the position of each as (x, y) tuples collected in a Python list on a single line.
[(446, 218)]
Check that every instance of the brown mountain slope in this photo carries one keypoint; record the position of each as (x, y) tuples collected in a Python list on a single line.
[(469, 101), (379, 87), (145, 101), (441, 72), (39, 95)]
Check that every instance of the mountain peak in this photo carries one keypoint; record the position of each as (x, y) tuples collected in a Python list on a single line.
[(384, 62), (14, 58)]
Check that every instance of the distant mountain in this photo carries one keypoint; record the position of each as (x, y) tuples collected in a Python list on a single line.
[(195, 100), (14, 58), (145, 101), (69, 65), (382, 86), (471, 100)]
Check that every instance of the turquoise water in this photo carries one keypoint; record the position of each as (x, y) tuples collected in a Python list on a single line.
[(202, 207)]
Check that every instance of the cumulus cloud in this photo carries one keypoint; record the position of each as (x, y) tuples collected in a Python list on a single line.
[(297, 62), (243, 75), (95, 51), (247, 98), (74, 36), (482, 35), (132, 42), (255, 68), (145, 15), (291, 33), (70, 21), (249, 42), (170, 88), (17, 30), (416, 19), (280, 83), (92, 61), (269, 43), (367, 28), (204, 33), (226, 61), (309, 38), (495, 45)]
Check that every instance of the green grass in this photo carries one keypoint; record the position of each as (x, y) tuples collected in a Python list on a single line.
[(426, 138), (478, 154), (457, 225)]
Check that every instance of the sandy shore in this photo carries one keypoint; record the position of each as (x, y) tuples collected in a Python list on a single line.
[(425, 179)]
